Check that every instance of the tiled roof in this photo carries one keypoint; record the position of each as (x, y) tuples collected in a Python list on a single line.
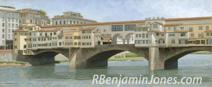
[(99, 23), (189, 18)]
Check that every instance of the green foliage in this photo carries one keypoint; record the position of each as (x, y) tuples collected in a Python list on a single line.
[(43, 13)]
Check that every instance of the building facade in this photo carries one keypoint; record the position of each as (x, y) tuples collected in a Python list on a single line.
[(9, 22), (169, 32), (70, 18), (33, 16)]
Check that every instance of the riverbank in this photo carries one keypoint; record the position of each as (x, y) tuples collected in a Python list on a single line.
[(202, 52), (126, 59), (13, 63)]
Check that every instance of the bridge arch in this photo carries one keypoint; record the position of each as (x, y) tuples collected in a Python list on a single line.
[(99, 57), (42, 57), (172, 57), (51, 51)]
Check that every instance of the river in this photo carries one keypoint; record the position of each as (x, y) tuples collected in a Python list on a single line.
[(61, 75)]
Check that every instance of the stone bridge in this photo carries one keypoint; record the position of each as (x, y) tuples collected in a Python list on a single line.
[(158, 57)]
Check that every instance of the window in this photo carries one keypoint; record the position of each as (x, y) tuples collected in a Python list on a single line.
[(174, 28), (30, 21), (76, 37), (173, 41), (24, 46), (130, 27), (207, 27), (60, 22), (64, 22), (55, 22), (155, 25), (168, 28), (143, 35), (200, 27), (60, 43), (190, 29), (208, 34), (181, 28), (182, 34), (147, 35), (2, 24), (117, 27), (171, 34)]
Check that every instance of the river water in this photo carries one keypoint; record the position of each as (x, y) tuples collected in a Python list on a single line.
[(61, 75)]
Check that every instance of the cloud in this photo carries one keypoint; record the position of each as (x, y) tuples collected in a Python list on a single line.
[(119, 10)]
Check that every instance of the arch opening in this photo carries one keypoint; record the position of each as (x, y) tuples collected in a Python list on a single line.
[(173, 62), (100, 60), (46, 58)]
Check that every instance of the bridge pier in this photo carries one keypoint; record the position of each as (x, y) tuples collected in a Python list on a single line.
[(82, 58), (155, 60), (75, 60), (88, 64)]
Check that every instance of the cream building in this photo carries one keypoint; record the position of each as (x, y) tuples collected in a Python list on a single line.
[(20, 38)]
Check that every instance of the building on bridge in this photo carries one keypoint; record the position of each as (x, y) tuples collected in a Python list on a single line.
[(161, 41), (143, 33)]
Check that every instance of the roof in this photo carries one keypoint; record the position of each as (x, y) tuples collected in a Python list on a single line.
[(96, 24), (47, 30), (91, 28), (166, 25), (71, 17), (20, 30), (14, 11), (189, 18)]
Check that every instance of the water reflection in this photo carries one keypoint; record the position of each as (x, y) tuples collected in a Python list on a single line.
[(191, 65), (60, 72)]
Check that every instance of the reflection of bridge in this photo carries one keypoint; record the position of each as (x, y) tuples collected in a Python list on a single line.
[(159, 58)]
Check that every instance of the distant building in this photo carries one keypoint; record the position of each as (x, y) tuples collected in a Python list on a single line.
[(32, 16), (9, 21), (70, 18)]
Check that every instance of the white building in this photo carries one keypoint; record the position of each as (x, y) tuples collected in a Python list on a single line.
[(9, 21), (70, 18)]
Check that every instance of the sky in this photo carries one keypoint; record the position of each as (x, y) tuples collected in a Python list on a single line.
[(118, 10)]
